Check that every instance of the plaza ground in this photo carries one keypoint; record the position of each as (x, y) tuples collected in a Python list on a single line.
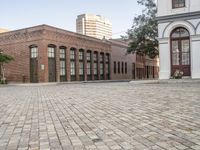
[(100, 116)]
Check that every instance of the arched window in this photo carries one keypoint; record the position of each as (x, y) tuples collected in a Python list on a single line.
[(179, 32), (34, 51), (178, 3), (180, 50)]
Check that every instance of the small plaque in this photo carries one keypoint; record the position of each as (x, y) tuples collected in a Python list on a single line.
[(42, 66)]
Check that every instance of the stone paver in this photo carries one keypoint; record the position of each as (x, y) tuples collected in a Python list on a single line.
[(100, 116)]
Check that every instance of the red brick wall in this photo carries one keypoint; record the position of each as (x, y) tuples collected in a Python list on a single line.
[(16, 44)]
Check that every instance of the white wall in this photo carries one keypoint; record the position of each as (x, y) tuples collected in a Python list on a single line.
[(165, 7)]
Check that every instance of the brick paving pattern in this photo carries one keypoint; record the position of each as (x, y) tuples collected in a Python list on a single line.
[(100, 116)]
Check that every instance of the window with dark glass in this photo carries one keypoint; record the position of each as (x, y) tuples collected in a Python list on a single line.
[(125, 67), (34, 52), (118, 67), (115, 67), (178, 3), (122, 67), (51, 52)]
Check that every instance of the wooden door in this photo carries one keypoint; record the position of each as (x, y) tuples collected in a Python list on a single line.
[(33, 70), (180, 55), (52, 70)]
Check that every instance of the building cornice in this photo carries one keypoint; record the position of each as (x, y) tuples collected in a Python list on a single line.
[(176, 17)]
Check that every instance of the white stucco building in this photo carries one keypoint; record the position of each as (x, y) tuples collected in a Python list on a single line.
[(179, 37)]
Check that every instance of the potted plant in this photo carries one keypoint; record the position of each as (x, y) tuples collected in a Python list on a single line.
[(178, 74)]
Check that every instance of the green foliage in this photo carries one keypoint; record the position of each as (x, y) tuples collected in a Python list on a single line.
[(5, 58), (144, 31)]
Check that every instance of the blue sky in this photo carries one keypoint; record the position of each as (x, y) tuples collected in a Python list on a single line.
[(16, 14)]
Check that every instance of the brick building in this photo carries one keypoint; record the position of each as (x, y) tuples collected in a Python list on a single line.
[(123, 64), (48, 54), (146, 68)]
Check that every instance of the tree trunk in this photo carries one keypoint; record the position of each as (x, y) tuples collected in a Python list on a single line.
[(3, 79)]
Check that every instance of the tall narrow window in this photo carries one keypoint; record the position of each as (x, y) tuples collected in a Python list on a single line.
[(89, 64), (178, 3), (62, 64), (102, 66), (33, 64), (51, 52), (180, 51), (122, 67), (95, 59), (34, 52), (81, 64), (118, 67), (125, 67), (73, 64), (52, 62), (115, 67), (107, 66)]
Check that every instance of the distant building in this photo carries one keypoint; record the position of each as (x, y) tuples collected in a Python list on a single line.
[(123, 64), (94, 25), (131, 66), (179, 37), (3, 30), (48, 54)]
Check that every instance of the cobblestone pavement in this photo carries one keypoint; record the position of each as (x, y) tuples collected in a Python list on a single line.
[(100, 116)]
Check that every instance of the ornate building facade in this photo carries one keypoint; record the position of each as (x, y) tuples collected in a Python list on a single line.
[(179, 37)]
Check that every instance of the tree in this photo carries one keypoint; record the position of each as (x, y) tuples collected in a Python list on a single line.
[(144, 31), (4, 59)]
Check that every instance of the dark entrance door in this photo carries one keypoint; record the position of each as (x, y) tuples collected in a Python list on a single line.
[(34, 70), (33, 64), (51, 64), (52, 70), (180, 51)]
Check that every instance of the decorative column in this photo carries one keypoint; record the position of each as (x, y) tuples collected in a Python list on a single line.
[(195, 55), (164, 53)]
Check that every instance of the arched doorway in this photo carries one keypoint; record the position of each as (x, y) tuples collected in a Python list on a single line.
[(180, 51)]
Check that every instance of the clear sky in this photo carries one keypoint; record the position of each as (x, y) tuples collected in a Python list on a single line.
[(16, 14)]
